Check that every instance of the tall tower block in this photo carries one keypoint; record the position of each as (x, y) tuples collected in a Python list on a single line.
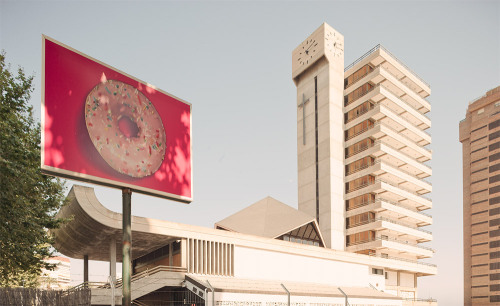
[(318, 73)]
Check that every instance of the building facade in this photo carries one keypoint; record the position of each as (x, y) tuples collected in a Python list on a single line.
[(355, 238), (362, 156), (480, 138)]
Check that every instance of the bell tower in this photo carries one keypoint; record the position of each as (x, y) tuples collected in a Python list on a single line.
[(318, 74)]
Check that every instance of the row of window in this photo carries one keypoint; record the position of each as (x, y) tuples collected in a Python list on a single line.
[(359, 182), (357, 93), (360, 219), (358, 128), (358, 111), (359, 146), (360, 201), (360, 73), (359, 164)]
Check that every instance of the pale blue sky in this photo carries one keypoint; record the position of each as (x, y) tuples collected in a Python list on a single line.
[(232, 61)]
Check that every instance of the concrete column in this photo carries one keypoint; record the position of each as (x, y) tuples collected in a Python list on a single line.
[(85, 268), (184, 253), (170, 251), (112, 259)]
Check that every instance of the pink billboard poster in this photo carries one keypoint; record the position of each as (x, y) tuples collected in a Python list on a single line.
[(103, 126)]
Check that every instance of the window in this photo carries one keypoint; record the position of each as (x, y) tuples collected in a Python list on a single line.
[(357, 93), (494, 135), (495, 179), (495, 222), (494, 200), (360, 201), (495, 287), (359, 183), (360, 73), (358, 129), (494, 265), (360, 164), (494, 146), (494, 168), (386, 275), (495, 233), (362, 237), (494, 157), (377, 271), (494, 298), (358, 111), (359, 146), (494, 244), (494, 189), (360, 219), (494, 125), (384, 255), (495, 211)]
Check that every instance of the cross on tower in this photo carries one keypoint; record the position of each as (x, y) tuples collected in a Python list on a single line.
[(303, 105)]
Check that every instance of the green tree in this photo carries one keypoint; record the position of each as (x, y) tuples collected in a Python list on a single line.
[(29, 200)]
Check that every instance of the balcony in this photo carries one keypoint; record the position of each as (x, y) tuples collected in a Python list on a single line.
[(392, 210), (381, 56), (384, 114), (383, 76), (393, 138), (391, 193), (392, 156), (396, 228), (391, 174), (381, 94), (394, 246)]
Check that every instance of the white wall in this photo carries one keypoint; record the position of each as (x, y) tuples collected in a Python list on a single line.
[(262, 264), (406, 280)]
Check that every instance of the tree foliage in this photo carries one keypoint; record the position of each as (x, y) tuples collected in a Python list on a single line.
[(28, 199)]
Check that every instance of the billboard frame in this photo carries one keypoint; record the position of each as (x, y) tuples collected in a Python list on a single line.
[(68, 174)]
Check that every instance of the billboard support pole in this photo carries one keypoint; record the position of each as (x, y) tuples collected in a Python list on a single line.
[(127, 247)]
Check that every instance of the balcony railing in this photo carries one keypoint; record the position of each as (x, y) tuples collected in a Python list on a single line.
[(378, 161), (346, 103), (372, 106), (386, 144), (403, 259), (379, 46), (362, 131), (380, 238), (390, 221), (408, 207)]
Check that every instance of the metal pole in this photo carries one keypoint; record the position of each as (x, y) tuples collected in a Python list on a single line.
[(287, 292), (127, 247), (346, 298), (86, 270)]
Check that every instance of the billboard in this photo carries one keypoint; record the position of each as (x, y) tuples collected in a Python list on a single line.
[(103, 126)]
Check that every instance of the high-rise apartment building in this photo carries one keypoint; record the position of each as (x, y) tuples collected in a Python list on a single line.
[(362, 153), (480, 138)]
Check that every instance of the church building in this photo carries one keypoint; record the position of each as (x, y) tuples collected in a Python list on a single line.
[(356, 237)]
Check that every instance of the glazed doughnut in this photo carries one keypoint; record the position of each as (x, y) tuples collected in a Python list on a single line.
[(125, 128)]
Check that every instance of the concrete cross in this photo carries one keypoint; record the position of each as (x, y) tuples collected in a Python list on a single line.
[(303, 105)]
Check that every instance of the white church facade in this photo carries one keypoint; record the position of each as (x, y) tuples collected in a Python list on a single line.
[(356, 236)]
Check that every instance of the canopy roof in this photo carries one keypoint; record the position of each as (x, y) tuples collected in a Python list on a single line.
[(268, 218), (224, 284)]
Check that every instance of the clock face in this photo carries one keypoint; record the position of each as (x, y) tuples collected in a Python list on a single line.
[(334, 44), (307, 51)]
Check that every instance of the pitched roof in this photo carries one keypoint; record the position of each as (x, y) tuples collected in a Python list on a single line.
[(266, 218)]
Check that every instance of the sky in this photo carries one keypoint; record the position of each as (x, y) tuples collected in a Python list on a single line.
[(232, 61)]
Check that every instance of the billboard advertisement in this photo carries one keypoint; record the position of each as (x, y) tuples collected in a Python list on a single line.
[(103, 126)]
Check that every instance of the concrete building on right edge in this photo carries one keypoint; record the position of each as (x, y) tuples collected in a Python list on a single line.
[(480, 138)]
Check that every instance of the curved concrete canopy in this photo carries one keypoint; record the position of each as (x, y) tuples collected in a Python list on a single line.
[(92, 227)]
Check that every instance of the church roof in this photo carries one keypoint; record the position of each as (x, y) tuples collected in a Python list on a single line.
[(267, 218)]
